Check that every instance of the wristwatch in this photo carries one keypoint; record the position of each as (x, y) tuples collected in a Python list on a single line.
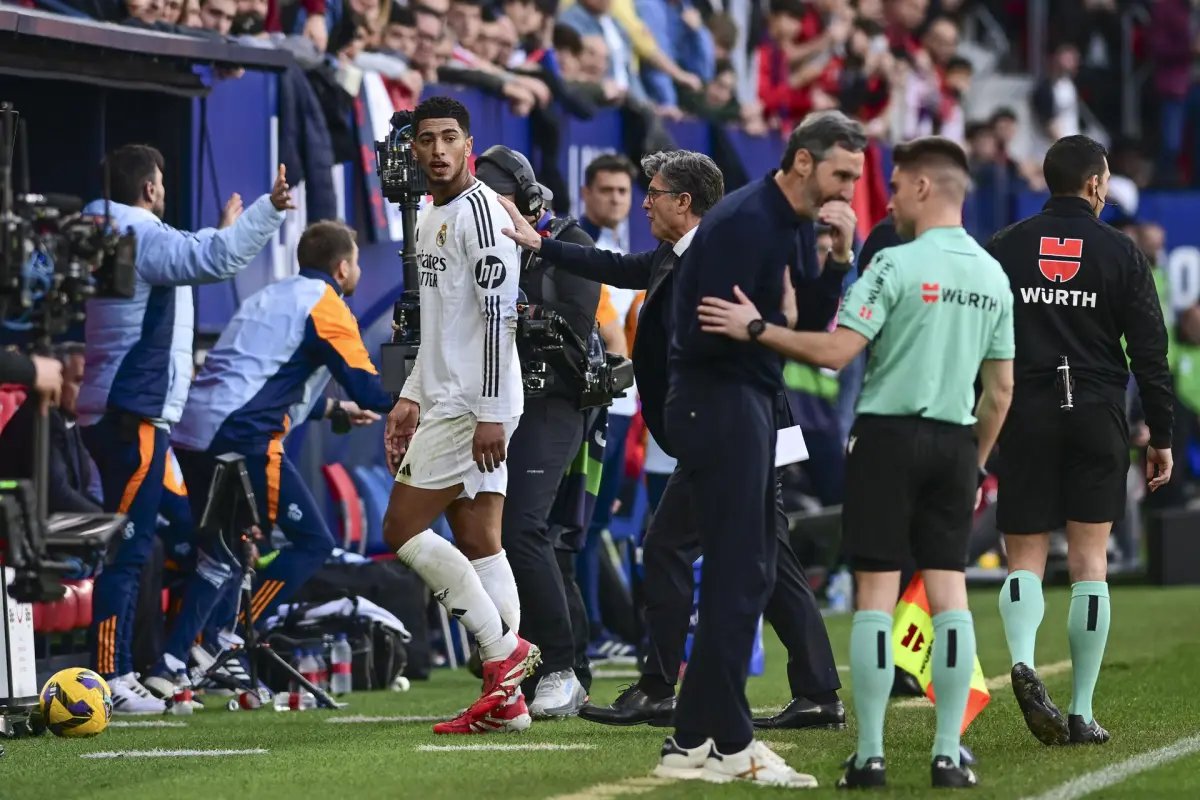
[(756, 328)]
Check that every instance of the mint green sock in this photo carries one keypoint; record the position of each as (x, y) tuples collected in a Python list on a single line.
[(953, 664), (872, 673), (1087, 630), (1022, 608)]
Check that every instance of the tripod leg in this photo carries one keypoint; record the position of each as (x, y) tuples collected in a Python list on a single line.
[(322, 697)]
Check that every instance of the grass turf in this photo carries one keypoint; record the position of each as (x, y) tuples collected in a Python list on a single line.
[(1148, 697)]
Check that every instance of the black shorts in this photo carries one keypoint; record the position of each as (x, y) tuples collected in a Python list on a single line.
[(1059, 465), (910, 494)]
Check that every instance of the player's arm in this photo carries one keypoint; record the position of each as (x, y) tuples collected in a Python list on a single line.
[(996, 374), (331, 334), (1146, 346), (169, 257), (495, 269), (612, 332)]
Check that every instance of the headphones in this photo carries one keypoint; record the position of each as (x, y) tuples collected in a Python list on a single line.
[(528, 195)]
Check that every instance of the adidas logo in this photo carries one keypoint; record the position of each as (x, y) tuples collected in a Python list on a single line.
[(406, 470)]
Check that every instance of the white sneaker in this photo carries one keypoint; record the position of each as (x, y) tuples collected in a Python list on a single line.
[(681, 764), (757, 764), (559, 694), (130, 697), (232, 669)]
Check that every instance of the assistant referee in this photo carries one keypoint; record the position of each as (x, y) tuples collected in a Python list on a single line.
[(1080, 286), (937, 312)]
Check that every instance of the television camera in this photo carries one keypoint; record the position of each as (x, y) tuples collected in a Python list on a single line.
[(52, 260), (550, 351)]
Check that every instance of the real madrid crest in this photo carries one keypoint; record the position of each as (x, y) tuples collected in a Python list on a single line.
[(441, 237)]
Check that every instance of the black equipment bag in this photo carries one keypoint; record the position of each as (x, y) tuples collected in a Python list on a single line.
[(389, 585), (378, 652)]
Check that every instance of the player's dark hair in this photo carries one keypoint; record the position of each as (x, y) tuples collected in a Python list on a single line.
[(130, 168), (820, 132), (930, 151), (442, 107), (1070, 162), (325, 245), (609, 162)]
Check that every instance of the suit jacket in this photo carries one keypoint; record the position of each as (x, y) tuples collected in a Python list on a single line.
[(633, 271), (70, 467)]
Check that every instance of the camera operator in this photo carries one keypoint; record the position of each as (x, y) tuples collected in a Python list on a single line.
[(139, 367), (546, 441)]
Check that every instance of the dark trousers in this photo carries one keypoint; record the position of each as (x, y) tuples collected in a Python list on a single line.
[(130, 454), (542, 448), (579, 621), (672, 546), (724, 437)]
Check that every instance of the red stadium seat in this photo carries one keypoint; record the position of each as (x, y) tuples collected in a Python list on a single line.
[(83, 608), (61, 613), (39, 617), (341, 487), (11, 398)]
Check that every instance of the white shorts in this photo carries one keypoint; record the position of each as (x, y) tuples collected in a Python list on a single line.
[(439, 456)]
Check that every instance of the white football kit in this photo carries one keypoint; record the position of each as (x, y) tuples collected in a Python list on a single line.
[(466, 369)]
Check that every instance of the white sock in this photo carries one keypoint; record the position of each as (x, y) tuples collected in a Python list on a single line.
[(496, 575), (454, 583)]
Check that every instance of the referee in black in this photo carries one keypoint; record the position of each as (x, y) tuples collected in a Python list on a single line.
[(545, 443), (1079, 286), (721, 418)]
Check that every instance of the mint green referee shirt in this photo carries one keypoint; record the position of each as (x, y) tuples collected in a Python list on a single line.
[(933, 309)]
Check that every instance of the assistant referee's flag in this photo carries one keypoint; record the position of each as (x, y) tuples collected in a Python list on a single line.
[(912, 637)]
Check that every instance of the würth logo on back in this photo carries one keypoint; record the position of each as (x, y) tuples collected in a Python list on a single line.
[(1054, 253), (929, 292)]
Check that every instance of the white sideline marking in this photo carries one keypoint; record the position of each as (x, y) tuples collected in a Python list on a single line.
[(626, 787), (998, 682), (171, 753), (453, 748), (1112, 775), (121, 723), (417, 718)]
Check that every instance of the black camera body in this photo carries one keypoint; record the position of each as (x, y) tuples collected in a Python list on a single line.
[(53, 259), (552, 354)]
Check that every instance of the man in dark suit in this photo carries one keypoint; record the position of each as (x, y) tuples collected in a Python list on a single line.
[(721, 415), (70, 467), (683, 187)]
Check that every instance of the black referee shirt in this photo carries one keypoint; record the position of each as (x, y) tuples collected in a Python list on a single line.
[(1078, 286)]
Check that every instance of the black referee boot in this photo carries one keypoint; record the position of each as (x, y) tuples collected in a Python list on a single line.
[(1042, 717), (945, 774), (1086, 732), (871, 775)]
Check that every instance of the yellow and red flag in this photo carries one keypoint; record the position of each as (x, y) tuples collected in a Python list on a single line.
[(912, 638)]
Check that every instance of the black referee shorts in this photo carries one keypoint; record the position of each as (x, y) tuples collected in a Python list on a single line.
[(1057, 465), (910, 494)]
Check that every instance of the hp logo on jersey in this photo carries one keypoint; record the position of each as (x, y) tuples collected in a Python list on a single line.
[(490, 272)]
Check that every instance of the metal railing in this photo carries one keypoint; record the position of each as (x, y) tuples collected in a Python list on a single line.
[(1133, 76)]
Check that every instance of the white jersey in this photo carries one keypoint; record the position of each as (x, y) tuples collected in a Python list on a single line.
[(468, 274)]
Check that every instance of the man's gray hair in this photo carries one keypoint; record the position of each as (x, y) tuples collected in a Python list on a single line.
[(822, 131), (688, 171)]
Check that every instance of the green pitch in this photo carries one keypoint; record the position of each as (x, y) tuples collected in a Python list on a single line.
[(1148, 697)]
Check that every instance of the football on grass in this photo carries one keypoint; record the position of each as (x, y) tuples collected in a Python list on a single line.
[(76, 702)]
